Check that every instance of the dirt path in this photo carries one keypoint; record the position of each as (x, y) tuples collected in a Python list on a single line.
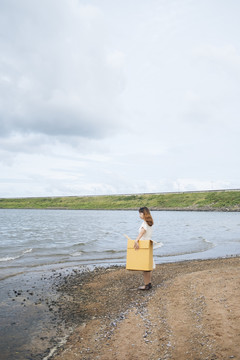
[(192, 312)]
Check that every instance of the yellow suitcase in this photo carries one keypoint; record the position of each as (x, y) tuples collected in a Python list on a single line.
[(141, 259)]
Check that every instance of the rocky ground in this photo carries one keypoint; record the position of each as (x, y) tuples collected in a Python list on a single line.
[(191, 313)]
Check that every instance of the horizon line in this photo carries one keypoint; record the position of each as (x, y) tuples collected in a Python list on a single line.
[(123, 194)]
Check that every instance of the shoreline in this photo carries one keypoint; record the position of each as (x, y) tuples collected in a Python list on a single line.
[(104, 305), (89, 312), (187, 209)]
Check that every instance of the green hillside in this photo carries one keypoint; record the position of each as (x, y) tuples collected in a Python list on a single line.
[(210, 200)]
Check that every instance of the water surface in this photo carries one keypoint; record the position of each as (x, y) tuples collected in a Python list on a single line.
[(31, 239)]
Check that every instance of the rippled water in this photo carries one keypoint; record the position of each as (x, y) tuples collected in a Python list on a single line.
[(31, 239)]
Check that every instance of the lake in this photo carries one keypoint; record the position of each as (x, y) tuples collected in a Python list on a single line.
[(35, 239)]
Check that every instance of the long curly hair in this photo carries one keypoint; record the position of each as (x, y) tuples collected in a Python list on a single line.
[(146, 215)]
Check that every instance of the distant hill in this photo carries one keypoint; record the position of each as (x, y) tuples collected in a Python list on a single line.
[(222, 200)]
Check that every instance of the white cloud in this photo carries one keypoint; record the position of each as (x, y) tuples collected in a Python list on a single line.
[(198, 185), (118, 97), (55, 75), (226, 54)]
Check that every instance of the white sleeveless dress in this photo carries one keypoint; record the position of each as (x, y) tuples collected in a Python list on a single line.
[(147, 235)]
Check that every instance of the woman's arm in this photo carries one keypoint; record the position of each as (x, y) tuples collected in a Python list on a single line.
[(141, 233)]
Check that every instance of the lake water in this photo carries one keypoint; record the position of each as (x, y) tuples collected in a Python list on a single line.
[(35, 239), (37, 247)]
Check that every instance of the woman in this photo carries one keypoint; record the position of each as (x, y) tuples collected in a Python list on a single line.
[(145, 233)]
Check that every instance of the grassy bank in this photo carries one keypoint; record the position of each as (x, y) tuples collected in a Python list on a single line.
[(208, 201)]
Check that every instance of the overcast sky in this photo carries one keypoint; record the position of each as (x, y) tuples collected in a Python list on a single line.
[(124, 96)]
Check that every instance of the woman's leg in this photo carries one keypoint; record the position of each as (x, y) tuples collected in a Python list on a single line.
[(147, 276)]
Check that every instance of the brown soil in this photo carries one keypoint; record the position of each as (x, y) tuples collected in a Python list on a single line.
[(191, 313)]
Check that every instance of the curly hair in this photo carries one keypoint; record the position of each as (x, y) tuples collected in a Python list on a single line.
[(146, 215)]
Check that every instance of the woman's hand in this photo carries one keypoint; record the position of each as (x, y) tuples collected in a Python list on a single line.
[(141, 233), (136, 245)]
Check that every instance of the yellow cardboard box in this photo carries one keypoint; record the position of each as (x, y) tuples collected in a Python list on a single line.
[(141, 259)]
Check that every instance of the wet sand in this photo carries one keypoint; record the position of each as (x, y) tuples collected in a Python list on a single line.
[(30, 322), (192, 312)]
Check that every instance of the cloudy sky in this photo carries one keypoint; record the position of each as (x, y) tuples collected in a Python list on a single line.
[(124, 96)]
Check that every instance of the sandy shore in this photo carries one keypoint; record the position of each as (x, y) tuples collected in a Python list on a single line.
[(192, 312)]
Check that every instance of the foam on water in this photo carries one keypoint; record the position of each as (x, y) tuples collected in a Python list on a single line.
[(10, 258)]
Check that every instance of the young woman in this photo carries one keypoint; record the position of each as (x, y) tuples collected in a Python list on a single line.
[(145, 233)]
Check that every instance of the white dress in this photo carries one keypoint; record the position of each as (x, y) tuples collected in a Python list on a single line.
[(147, 235)]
